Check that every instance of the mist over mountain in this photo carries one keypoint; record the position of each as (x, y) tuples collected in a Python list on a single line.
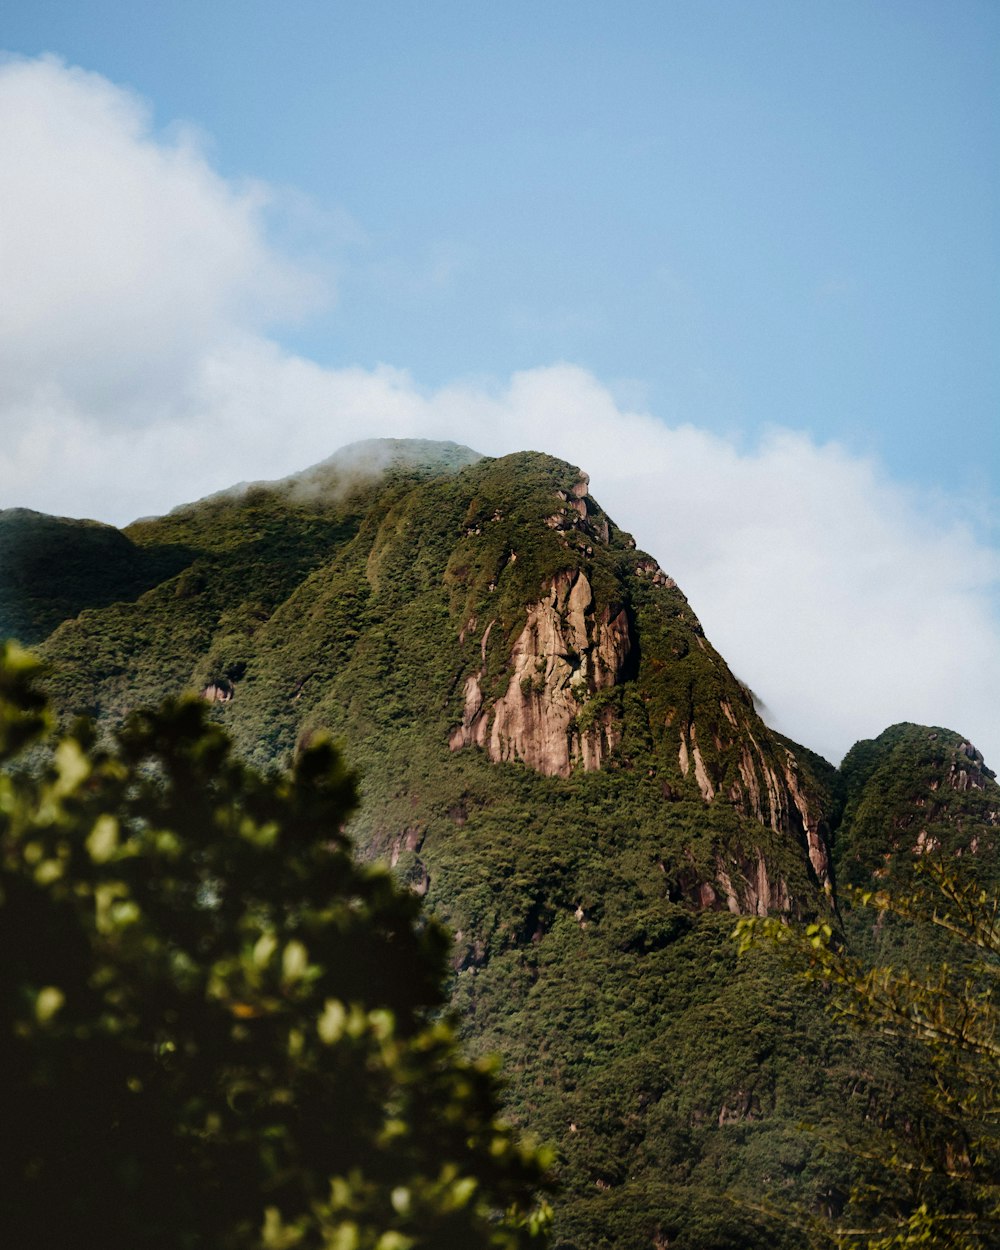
[(555, 756)]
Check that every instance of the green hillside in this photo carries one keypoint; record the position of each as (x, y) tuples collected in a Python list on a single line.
[(53, 567), (914, 790), (554, 755)]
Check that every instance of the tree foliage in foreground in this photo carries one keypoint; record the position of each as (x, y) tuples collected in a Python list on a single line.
[(929, 1155), (219, 1030)]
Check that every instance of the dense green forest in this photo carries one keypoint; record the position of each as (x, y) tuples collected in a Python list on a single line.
[(219, 1029), (556, 760)]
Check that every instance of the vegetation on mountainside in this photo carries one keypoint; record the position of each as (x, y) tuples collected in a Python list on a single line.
[(672, 1077), (930, 1152), (218, 1029), (53, 568), (915, 789), (911, 968)]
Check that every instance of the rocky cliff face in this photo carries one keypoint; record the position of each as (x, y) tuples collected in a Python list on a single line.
[(767, 786), (968, 771), (564, 655), (549, 719), (550, 689)]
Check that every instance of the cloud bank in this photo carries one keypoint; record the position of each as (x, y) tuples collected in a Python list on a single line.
[(139, 369)]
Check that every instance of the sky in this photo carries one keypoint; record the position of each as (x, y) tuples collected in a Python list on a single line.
[(738, 261)]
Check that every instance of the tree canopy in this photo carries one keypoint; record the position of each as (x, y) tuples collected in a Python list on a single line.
[(219, 1029), (927, 1152)]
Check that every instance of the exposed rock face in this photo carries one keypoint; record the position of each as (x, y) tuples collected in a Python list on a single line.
[(217, 692), (741, 884), (765, 786), (970, 773), (753, 890), (812, 827), (688, 755), (562, 657), (410, 840), (649, 568), (578, 512), (567, 653)]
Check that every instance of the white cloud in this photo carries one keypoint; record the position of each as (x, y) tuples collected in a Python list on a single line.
[(137, 284), (122, 254)]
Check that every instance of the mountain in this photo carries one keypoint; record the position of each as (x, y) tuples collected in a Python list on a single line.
[(912, 791), (553, 753), (915, 797), (54, 567)]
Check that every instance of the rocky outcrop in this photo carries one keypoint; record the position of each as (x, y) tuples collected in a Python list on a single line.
[(743, 884), (764, 784), (691, 754), (648, 567), (472, 730), (409, 840), (751, 890), (551, 716), (813, 825), (968, 771), (565, 654), (577, 511), (217, 692)]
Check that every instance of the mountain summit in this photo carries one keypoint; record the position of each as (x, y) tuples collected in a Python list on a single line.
[(489, 607)]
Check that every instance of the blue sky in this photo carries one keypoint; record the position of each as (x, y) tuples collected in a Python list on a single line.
[(742, 213), (737, 259)]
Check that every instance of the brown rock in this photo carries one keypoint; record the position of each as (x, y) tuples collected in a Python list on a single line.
[(561, 657)]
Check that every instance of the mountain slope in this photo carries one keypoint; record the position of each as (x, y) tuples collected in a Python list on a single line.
[(495, 609), (914, 790), (54, 567), (554, 754)]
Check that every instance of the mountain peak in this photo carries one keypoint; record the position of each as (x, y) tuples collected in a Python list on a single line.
[(488, 607), (373, 458), (399, 452), (913, 790)]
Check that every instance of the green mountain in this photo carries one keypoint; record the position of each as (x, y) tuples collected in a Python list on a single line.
[(552, 753), (914, 797), (54, 567), (914, 790)]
